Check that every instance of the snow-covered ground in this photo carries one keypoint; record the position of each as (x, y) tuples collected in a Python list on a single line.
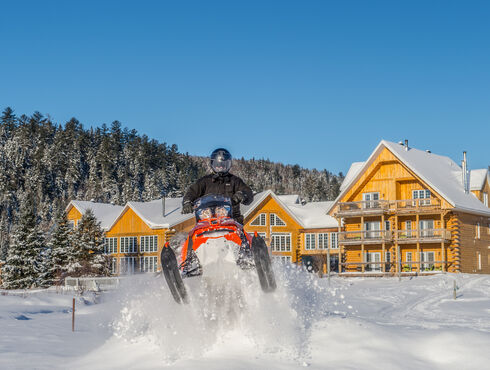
[(368, 323)]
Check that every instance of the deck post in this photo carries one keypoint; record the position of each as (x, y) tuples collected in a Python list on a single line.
[(340, 247), (362, 258), (418, 242), (443, 257)]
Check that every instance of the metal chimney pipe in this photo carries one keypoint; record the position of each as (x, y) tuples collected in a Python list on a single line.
[(406, 144), (465, 173)]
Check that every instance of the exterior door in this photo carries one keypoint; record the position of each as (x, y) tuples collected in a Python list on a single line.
[(426, 228), (373, 257), (372, 229)]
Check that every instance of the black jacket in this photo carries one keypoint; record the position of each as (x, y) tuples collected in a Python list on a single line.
[(226, 185)]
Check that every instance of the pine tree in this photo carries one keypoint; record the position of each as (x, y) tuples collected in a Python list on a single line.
[(88, 245), (61, 247), (24, 259)]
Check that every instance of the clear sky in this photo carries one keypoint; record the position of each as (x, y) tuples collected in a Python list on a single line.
[(318, 83)]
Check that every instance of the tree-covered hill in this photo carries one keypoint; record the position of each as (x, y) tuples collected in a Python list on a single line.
[(54, 163)]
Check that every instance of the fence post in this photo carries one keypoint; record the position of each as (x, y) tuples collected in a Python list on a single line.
[(328, 265), (454, 289), (73, 316)]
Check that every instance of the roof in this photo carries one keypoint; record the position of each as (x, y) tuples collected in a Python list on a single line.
[(441, 173), (105, 213), (152, 212), (353, 171), (477, 178), (307, 215)]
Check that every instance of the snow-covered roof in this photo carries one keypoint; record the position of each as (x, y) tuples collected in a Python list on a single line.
[(152, 212), (105, 213), (441, 173), (477, 178), (308, 215), (353, 171)]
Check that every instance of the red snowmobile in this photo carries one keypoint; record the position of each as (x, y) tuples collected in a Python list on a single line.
[(202, 250)]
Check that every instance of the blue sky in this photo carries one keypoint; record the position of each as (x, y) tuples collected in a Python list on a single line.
[(318, 83)]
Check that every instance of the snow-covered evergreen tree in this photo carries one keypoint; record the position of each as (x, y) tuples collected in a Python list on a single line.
[(62, 251), (88, 245), (24, 263)]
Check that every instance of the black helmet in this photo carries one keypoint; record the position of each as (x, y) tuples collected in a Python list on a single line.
[(220, 161)]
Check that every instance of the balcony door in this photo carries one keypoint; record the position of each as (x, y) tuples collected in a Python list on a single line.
[(373, 257), (426, 228), (370, 200), (372, 229), (427, 259)]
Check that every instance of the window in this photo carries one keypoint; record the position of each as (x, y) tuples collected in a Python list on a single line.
[(128, 244), (323, 241), (387, 225), (126, 265), (281, 242), (148, 264), (426, 228), (369, 199), (372, 229), (427, 259), (71, 224), (114, 266), (310, 241), (478, 254), (148, 243), (408, 227), (259, 220), (485, 199), (423, 197), (388, 256), (373, 257), (110, 245), (408, 256), (334, 242), (276, 221), (281, 259), (478, 230)]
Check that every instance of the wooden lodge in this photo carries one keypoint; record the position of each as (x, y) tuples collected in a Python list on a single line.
[(412, 211), (135, 233)]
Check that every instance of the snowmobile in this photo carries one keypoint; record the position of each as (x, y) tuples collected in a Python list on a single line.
[(201, 249)]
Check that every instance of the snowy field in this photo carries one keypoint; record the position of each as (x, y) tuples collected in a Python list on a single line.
[(355, 323)]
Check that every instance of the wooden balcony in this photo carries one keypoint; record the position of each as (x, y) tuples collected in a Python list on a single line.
[(365, 207), (364, 237), (422, 236), (378, 207)]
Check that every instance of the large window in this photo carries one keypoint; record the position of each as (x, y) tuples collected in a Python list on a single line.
[(281, 259), (276, 221), (110, 245), (128, 244), (259, 220), (148, 243), (423, 197), (322, 241), (426, 228), (370, 200), (310, 241), (372, 229), (126, 265), (281, 242), (148, 264), (427, 259), (334, 240)]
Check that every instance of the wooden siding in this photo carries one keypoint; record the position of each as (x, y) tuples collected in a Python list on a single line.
[(73, 214), (470, 245)]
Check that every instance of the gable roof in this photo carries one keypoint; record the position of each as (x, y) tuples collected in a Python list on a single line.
[(441, 173), (105, 213), (152, 213), (308, 215), (353, 172), (477, 178)]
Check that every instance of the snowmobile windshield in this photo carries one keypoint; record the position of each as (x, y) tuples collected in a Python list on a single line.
[(212, 206)]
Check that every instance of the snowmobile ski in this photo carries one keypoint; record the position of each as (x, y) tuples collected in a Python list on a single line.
[(263, 264), (172, 275)]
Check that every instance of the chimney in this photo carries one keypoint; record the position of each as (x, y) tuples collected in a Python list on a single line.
[(406, 144), (464, 166), (163, 205)]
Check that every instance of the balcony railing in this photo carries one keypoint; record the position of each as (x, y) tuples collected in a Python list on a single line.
[(365, 206), (422, 235), (364, 237), (370, 207)]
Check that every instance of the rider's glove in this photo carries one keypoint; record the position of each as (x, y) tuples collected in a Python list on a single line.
[(187, 207), (238, 197)]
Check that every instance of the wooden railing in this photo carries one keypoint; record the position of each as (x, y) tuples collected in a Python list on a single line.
[(362, 236), (363, 206), (392, 206), (421, 235)]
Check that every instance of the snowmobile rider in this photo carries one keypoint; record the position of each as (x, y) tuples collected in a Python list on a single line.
[(221, 182)]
